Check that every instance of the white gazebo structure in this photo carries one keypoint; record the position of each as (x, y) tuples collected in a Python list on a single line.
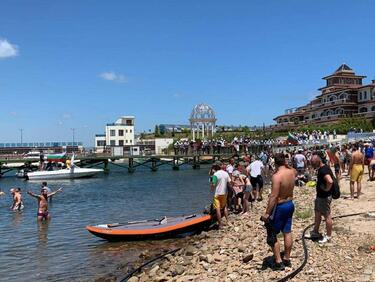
[(202, 121)]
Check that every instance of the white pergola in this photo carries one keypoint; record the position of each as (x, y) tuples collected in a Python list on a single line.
[(202, 121)]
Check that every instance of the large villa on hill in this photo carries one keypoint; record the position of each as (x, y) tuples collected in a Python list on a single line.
[(343, 96)]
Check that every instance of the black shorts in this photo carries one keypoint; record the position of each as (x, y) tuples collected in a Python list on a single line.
[(256, 181), (239, 195)]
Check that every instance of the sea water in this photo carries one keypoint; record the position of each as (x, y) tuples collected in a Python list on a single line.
[(62, 250)]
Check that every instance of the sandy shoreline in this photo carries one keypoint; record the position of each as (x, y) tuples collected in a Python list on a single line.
[(219, 255)]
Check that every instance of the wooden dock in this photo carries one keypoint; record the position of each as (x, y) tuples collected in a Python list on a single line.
[(128, 163)]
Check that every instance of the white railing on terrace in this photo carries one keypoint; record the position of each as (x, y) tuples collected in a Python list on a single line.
[(334, 102), (369, 113)]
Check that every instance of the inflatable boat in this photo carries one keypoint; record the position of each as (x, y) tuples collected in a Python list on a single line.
[(165, 227)]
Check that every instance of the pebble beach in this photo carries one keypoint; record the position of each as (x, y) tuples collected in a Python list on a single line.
[(238, 252)]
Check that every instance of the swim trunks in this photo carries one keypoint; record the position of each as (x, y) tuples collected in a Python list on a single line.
[(44, 215), (19, 207), (219, 201), (356, 173), (282, 219), (256, 181)]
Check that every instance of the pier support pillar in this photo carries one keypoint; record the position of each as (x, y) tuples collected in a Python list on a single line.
[(154, 164), (106, 166), (196, 162), (175, 164), (131, 168)]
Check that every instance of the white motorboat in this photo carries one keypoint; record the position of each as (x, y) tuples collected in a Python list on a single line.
[(71, 172), (67, 173)]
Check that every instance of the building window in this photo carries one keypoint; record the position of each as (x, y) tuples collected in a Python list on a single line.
[(360, 96), (113, 132), (121, 132), (131, 141), (363, 110), (365, 96), (126, 141), (126, 131), (130, 131), (112, 142), (121, 142), (100, 143), (129, 122), (373, 109)]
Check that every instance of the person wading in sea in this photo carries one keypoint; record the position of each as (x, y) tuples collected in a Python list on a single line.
[(17, 199), (279, 211), (356, 170), (43, 213)]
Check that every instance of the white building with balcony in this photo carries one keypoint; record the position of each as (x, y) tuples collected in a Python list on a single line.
[(119, 133)]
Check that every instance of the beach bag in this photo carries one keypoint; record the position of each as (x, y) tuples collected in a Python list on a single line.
[(336, 193)]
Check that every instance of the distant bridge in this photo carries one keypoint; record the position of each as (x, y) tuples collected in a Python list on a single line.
[(129, 163)]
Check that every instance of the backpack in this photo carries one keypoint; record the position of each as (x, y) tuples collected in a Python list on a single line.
[(335, 188)]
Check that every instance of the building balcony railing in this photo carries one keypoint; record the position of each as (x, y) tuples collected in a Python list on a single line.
[(365, 114), (333, 103)]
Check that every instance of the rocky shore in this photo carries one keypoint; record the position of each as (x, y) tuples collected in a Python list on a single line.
[(239, 252)]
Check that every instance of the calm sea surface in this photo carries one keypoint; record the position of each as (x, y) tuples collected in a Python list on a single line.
[(63, 250)]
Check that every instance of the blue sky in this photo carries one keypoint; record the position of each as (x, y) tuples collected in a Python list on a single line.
[(81, 64)]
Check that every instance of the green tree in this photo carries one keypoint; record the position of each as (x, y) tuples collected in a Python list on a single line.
[(157, 131)]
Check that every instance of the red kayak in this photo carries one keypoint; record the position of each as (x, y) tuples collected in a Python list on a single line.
[(166, 227)]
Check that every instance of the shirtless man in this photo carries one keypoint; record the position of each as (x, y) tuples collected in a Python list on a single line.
[(17, 199), (356, 169), (43, 213), (279, 212)]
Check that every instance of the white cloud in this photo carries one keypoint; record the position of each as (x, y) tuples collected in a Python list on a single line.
[(66, 116), (178, 95), (7, 50), (112, 76)]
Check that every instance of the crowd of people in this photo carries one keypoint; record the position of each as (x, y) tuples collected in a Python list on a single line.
[(244, 144), (238, 184), (43, 198)]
